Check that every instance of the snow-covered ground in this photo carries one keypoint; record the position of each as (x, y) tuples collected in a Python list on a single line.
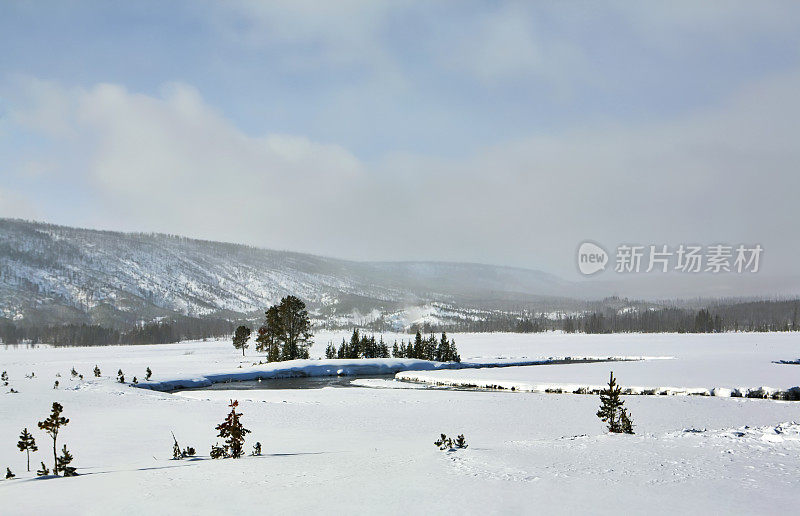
[(359, 450), (718, 365)]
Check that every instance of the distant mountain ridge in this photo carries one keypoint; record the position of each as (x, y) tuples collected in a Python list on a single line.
[(53, 274)]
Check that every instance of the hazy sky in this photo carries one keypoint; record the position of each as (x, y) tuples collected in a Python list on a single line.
[(497, 132)]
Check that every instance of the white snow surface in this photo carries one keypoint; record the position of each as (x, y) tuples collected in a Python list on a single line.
[(370, 450)]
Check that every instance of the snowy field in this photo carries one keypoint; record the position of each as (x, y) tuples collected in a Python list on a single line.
[(716, 364), (364, 450)]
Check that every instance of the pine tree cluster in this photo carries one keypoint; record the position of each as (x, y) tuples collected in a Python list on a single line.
[(359, 346), (441, 350), (448, 443)]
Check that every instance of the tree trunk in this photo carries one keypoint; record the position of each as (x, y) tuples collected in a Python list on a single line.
[(28, 451)]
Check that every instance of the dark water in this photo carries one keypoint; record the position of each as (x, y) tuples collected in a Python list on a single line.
[(306, 382)]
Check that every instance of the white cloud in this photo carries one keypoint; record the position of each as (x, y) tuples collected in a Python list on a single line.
[(173, 163)]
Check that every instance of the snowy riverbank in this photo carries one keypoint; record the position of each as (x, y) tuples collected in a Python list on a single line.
[(345, 450)]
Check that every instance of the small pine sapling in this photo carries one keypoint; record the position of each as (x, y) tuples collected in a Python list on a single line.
[(448, 443), (176, 448), (611, 410), (4, 378), (120, 376), (217, 451), (27, 443), (148, 373), (52, 425), (63, 462), (43, 471), (444, 442), (233, 432), (135, 381), (257, 449), (96, 371), (625, 423), (188, 452), (74, 373), (55, 385), (9, 474)]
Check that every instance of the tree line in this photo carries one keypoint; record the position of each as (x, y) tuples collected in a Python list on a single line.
[(162, 332), (363, 346), (754, 316)]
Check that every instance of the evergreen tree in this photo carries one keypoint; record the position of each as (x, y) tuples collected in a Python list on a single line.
[(269, 334), (4, 378), (625, 423), (27, 444), (148, 373), (295, 326), (257, 449), (176, 448), (418, 346), (383, 349), (52, 425), (120, 376), (62, 463), (430, 348), (217, 451), (240, 338), (96, 371), (611, 411), (444, 442), (9, 474), (395, 350), (43, 471), (135, 381), (353, 350), (454, 356), (74, 373), (233, 432), (330, 351)]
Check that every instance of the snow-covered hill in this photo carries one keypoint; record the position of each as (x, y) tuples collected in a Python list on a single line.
[(54, 273)]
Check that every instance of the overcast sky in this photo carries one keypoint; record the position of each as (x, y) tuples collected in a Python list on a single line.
[(495, 132)]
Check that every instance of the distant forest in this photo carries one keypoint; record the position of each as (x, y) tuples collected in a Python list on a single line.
[(161, 332), (754, 316)]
